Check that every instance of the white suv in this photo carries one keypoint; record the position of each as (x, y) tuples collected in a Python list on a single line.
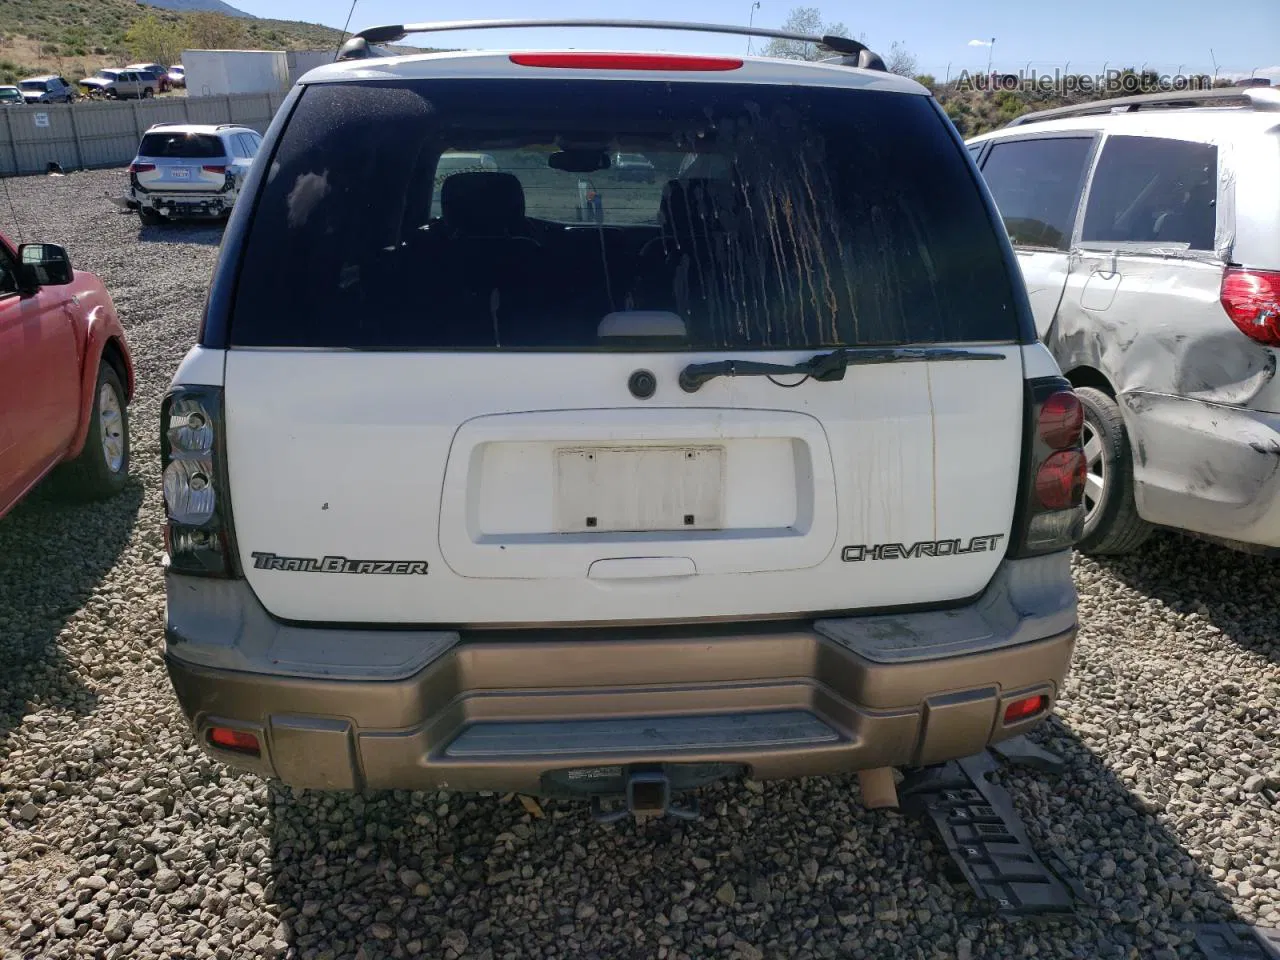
[(763, 472), (190, 170), (1148, 231)]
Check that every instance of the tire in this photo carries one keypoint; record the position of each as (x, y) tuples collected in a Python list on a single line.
[(102, 468), (147, 93), (1112, 526), (149, 217)]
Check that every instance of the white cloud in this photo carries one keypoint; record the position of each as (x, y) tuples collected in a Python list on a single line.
[(979, 43)]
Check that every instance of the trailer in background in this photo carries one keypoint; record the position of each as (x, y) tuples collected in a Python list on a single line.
[(222, 72)]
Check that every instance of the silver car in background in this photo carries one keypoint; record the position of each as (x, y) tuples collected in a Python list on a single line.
[(120, 84), (188, 170), (47, 89), (1147, 230)]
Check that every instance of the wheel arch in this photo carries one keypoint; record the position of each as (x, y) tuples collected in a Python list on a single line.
[(104, 343), (1086, 376)]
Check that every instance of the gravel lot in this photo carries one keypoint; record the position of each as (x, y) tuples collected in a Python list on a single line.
[(119, 839)]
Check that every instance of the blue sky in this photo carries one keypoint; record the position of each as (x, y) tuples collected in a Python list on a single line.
[(1243, 34)]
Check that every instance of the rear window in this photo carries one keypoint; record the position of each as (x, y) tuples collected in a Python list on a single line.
[(489, 214), (34, 85), (190, 146)]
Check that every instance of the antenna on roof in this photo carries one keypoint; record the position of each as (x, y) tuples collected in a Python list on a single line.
[(342, 39)]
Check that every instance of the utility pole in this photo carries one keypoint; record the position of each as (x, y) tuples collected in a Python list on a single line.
[(991, 49), (1215, 66), (751, 22)]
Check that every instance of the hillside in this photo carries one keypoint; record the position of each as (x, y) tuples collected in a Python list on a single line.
[(77, 37), (978, 111), (190, 6)]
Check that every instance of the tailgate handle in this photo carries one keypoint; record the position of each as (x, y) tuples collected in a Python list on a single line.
[(641, 568)]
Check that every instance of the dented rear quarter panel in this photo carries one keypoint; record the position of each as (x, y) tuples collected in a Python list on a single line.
[(1198, 397)]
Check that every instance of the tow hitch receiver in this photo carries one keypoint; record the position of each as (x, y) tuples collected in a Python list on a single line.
[(981, 830), (648, 794)]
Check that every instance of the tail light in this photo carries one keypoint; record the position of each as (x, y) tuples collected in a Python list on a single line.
[(1252, 301), (1050, 513), (198, 530), (141, 167), (214, 168)]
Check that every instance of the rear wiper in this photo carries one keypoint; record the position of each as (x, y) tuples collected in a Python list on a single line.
[(822, 366)]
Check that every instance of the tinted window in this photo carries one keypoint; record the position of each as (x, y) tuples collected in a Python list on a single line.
[(1036, 185), (36, 85), (185, 145), (804, 217), (1149, 190)]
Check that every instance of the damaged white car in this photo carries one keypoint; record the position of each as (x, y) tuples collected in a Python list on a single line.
[(1148, 233), (186, 170)]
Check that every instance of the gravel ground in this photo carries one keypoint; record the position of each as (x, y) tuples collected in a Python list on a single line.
[(119, 839)]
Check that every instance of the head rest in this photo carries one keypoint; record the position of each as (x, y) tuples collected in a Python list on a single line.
[(482, 202)]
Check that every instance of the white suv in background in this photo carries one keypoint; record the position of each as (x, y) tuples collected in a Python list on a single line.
[(1148, 231), (190, 170), (763, 471)]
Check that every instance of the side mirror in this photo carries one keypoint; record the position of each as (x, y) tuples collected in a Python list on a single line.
[(44, 265)]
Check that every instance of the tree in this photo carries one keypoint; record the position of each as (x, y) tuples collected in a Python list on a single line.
[(215, 31), (152, 41), (807, 20), (900, 61)]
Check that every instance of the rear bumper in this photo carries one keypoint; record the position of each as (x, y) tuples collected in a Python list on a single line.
[(185, 203), (1207, 468), (345, 709)]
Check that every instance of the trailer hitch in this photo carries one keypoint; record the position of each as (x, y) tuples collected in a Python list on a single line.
[(648, 794)]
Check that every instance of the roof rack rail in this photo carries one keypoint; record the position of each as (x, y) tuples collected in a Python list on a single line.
[(1255, 98), (853, 53)]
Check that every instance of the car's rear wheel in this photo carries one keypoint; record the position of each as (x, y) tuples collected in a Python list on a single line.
[(1111, 523), (102, 468), (147, 93)]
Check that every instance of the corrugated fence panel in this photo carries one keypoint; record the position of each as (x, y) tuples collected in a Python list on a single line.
[(208, 110), (252, 110), (163, 110), (105, 134), (44, 135)]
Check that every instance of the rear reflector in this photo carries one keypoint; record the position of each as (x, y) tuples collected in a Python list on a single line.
[(141, 167), (236, 740), (1252, 301), (1026, 707), (214, 168), (624, 61)]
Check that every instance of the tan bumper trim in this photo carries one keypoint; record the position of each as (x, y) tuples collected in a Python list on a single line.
[(340, 734)]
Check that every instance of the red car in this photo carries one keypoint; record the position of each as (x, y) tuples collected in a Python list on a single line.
[(66, 377)]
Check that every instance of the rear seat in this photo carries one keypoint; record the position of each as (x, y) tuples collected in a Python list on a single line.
[(491, 272)]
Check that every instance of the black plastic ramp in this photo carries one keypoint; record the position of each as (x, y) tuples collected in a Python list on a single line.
[(977, 823)]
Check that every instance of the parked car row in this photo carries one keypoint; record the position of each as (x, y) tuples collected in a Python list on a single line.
[(137, 81)]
